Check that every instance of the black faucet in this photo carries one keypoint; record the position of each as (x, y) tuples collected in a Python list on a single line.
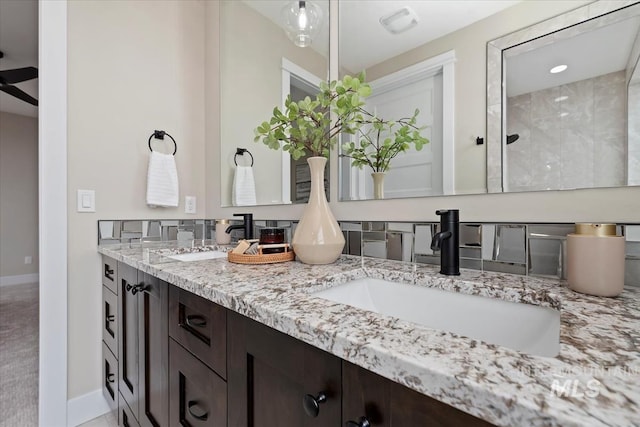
[(247, 225), (447, 242)]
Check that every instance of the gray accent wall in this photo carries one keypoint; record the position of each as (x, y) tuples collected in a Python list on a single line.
[(18, 194)]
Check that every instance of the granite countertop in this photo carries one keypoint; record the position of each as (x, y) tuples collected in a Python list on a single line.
[(598, 363)]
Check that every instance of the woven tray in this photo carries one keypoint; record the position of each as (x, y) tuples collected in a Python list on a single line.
[(261, 258)]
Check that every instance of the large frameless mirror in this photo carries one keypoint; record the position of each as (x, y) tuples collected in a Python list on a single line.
[(261, 63), (564, 102)]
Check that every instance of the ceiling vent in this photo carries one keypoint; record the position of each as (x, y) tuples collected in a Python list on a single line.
[(399, 21)]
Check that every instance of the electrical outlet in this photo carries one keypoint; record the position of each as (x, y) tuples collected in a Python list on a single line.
[(190, 204), (28, 260)]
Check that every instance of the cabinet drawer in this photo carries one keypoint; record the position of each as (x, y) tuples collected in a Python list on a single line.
[(200, 326), (110, 319), (110, 274), (125, 416), (198, 397), (110, 377)]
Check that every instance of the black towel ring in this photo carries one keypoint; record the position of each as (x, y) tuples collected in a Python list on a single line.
[(160, 134), (240, 152)]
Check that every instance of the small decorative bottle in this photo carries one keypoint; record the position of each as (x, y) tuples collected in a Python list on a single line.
[(595, 260)]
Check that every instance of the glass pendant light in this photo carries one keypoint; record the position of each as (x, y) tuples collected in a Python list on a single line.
[(302, 21)]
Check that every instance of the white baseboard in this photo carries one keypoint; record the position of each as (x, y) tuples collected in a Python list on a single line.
[(19, 279), (86, 407)]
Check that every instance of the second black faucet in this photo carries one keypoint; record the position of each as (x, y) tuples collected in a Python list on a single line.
[(447, 241)]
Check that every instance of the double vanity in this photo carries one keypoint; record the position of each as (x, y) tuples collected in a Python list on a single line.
[(359, 342)]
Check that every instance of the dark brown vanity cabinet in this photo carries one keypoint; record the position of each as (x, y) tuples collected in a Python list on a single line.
[(276, 380), (142, 347), (183, 360), (372, 400)]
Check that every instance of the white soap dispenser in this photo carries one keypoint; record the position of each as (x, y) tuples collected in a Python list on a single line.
[(595, 260)]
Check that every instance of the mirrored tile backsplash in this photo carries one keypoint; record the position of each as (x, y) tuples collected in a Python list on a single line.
[(526, 249)]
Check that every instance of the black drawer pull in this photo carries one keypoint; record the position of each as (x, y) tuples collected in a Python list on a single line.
[(364, 422), (195, 320), (110, 378), (200, 414), (311, 404), (110, 318), (108, 273)]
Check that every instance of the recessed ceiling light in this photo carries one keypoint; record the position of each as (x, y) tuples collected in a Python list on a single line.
[(558, 69), (400, 21), (561, 98)]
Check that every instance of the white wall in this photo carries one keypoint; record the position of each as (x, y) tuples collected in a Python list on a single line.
[(18, 194), (611, 204), (133, 66)]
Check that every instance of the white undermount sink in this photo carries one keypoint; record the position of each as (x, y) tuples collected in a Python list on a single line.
[(523, 327), (198, 256)]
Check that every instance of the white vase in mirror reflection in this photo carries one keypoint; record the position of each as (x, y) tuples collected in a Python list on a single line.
[(318, 238), (378, 184)]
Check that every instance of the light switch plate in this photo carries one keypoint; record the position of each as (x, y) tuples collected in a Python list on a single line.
[(86, 201)]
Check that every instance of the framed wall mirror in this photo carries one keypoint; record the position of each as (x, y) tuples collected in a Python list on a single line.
[(563, 102), (381, 37), (259, 68)]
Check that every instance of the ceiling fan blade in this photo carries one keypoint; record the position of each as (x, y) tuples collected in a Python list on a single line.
[(14, 91), (18, 75)]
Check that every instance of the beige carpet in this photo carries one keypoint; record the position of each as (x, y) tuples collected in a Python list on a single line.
[(19, 355)]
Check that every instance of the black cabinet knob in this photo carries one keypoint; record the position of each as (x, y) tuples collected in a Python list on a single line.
[(128, 287), (311, 404), (111, 378), (110, 318), (364, 422)]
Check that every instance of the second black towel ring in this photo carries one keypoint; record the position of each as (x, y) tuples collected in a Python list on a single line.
[(160, 134), (240, 152)]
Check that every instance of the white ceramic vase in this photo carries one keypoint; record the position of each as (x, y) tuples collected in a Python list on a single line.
[(378, 184), (318, 238)]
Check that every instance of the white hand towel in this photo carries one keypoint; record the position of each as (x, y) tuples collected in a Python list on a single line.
[(162, 180), (243, 192)]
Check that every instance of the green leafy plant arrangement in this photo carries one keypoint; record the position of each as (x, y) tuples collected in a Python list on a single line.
[(397, 137), (305, 127)]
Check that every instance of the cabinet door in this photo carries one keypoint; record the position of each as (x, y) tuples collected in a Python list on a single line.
[(154, 351), (128, 332), (385, 403), (270, 374), (198, 396), (200, 326)]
